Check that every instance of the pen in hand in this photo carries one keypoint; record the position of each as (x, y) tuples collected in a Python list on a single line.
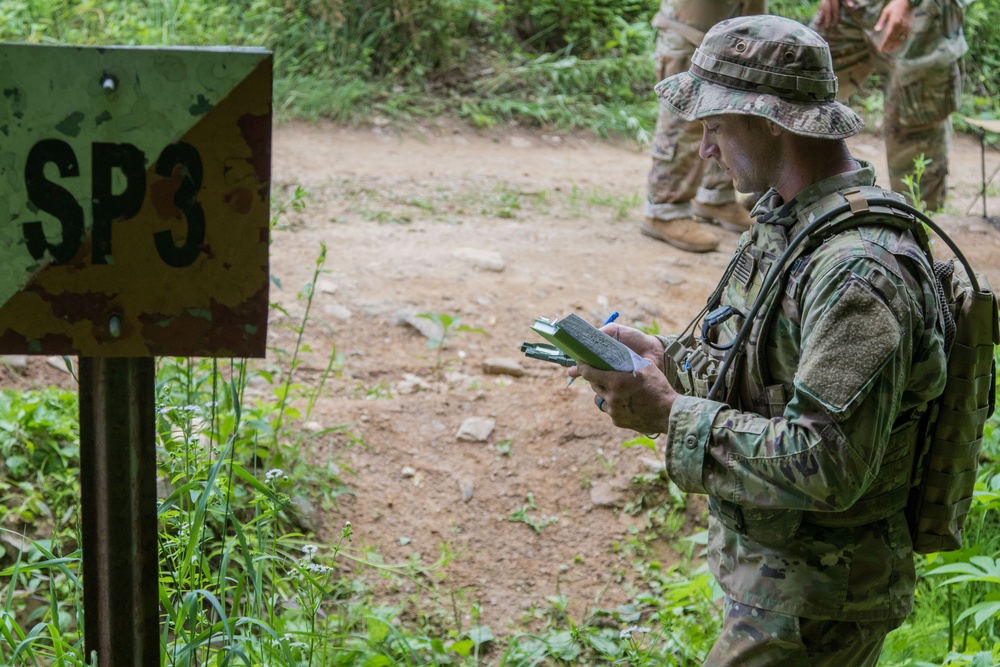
[(611, 318)]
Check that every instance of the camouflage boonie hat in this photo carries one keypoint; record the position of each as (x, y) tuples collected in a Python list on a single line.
[(765, 66)]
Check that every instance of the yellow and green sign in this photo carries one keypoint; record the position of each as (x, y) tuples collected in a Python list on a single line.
[(134, 200)]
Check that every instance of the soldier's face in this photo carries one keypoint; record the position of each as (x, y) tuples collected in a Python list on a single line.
[(745, 147)]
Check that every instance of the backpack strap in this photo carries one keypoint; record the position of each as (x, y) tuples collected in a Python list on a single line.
[(832, 215)]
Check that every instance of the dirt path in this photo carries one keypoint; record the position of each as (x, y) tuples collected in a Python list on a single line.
[(495, 230)]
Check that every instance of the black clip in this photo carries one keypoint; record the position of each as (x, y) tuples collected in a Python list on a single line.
[(547, 353), (715, 318)]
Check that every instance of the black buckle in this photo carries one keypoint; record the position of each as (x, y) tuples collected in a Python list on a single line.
[(715, 318), (730, 514)]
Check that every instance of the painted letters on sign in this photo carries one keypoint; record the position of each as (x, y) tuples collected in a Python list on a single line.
[(134, 201), (108, 206)]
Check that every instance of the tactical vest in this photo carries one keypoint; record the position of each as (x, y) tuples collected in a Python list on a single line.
[(738, 369)]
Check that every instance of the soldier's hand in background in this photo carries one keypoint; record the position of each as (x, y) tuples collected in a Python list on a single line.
[(894, 24), (828, 13)]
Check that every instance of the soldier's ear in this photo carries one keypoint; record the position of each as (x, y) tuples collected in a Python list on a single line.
[(775, 129)]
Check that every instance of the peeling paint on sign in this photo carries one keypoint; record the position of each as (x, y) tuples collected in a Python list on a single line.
[(134, 200)]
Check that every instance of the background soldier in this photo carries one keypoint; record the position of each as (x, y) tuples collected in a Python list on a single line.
[(807, 455), (916, 46), (683, 188)]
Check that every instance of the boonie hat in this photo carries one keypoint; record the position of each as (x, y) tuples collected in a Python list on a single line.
[(766, 66)]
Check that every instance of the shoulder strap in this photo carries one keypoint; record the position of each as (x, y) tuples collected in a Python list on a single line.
[(831, 215), (853, 208)]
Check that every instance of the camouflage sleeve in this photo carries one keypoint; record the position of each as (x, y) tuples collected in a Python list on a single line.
[(859, 325), (691, 427)]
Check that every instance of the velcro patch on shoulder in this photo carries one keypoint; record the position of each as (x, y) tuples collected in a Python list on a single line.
[(849, 345)]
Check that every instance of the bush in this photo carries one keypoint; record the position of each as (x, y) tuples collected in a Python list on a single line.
[(982, 62), (553, 64), (585, 28)]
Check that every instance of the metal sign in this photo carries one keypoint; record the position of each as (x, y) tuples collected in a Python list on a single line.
[(134, 201)]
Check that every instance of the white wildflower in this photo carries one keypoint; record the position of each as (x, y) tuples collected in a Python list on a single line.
[(273, 474), (627, 632), (317, 568)]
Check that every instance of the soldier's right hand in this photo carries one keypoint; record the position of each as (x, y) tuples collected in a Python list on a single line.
[(646, 346)]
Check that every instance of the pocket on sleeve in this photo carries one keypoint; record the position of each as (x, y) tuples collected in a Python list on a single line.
[(847, 348)]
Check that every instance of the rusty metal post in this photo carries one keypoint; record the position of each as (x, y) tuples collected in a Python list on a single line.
[(118, 480)]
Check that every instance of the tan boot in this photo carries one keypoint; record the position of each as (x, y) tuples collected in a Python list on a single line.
[(684, 233), (731, 216)]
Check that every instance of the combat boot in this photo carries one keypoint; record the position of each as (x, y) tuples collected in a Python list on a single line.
[(684, 233), (731, 216)]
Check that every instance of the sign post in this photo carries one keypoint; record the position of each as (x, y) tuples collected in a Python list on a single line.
[(134, 220), (118, 487)]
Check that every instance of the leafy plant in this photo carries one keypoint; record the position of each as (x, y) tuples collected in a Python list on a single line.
[(912, 182), (581, 27), (39, 457), (237, 583), (981, 569), (505, 447), (523, 515), (447, 326)]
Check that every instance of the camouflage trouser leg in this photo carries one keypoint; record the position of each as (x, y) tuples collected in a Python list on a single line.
[(679, 174), (918, 102), (754, 637), (918, 122)]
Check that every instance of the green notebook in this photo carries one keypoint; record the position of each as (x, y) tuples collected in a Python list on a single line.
[(584, 342)]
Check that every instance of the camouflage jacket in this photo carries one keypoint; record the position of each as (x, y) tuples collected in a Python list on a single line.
[(852, 349), (937, 39)]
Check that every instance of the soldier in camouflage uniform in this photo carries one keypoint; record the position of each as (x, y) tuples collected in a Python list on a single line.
[(683, 188), (916, 46), (806, 456)]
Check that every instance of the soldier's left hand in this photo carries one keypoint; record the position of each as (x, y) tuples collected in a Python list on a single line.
[(640, 402)]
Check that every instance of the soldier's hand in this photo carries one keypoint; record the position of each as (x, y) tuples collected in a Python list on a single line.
[(828, 14), (648, 347), (640, 402), (894, 24)]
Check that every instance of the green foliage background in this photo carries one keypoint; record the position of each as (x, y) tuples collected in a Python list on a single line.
[(554, 64)]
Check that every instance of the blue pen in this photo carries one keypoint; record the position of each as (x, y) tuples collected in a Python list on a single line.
[(611, 318)]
